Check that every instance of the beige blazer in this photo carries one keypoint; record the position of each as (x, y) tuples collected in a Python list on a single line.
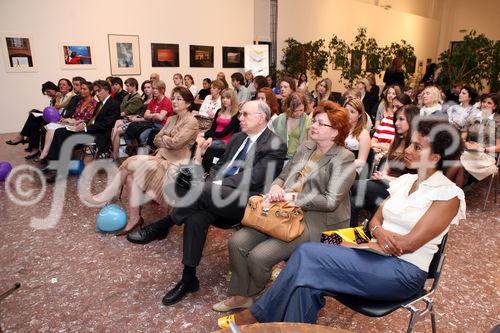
[(175, 139), (325, 194)]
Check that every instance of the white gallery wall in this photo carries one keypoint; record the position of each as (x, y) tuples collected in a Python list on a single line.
[(312, 20), (188, 22)]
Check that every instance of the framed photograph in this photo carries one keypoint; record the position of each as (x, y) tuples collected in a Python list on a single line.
[(124, 54), (269, 47), (164, 55), (356, 59), (18, 52), (76, 55), (201, 56), (257, 59), (233, 57)]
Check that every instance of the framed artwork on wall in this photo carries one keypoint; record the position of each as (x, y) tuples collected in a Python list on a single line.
[(233, 57), (124, 55), (257, 59), (411, 65), (356, 59), (76, 55), (164, 55), (201, 56), (18, 52)]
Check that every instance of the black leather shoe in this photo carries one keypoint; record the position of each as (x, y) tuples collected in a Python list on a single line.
[(32, 156), (180, 291), (51, 177), (149, 233)]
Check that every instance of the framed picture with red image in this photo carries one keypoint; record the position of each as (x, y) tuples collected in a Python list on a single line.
[(76, 55), (164, 55)]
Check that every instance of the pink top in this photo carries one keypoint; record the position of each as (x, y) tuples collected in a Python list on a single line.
[(221, 124), (165, 104)]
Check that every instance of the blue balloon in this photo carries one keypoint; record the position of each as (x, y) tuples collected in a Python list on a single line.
[(5, 169), (276, 90), (111, 218), (75, 167)]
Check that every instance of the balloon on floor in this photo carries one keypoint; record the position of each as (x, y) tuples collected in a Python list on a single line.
[(111, 218)]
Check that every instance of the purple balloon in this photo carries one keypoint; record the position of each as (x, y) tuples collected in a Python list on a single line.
[(51, 114), (5, 169)]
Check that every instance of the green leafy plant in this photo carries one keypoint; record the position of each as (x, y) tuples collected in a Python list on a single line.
[(303, 58), (471, 61)]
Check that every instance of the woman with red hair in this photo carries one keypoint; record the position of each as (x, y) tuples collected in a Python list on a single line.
[(318, 180)]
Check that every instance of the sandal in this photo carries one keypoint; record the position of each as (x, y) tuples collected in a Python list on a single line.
[(15, 143), (225, 322)]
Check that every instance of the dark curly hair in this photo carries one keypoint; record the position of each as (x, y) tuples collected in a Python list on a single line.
[(444, 138)]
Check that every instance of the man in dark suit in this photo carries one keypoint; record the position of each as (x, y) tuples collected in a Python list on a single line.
[(100, 125), (253, 158)]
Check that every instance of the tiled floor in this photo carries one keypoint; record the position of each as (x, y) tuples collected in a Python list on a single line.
[(75, 279)]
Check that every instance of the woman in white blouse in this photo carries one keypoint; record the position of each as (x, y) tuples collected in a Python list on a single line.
[(212, 102), (189, 83), (407, 228)]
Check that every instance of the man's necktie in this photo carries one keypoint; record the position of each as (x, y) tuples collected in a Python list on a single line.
[(237, 162)]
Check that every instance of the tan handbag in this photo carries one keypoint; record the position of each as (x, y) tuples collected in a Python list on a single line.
[(281, 220)]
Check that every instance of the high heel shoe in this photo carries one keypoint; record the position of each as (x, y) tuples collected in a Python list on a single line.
[(125, 231), (15, 143), (32, 156), (90, 201)]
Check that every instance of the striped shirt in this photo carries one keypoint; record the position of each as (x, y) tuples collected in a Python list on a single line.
[(385, 131)]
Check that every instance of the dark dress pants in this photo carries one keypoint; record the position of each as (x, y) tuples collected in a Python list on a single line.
[(198, 216), (32, 129)]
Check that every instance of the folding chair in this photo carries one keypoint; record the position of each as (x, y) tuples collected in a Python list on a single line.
[(373, 308), (493, 176)]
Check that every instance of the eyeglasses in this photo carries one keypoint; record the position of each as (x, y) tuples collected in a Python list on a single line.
[(320, 123), (246, 114)]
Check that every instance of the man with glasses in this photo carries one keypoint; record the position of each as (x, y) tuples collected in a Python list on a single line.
[(253, 159)]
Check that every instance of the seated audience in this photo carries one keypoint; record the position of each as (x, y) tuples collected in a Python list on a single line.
[(287, 86), (453, 95), (202, 93), (431, 102), (302, 83), (153, 77), (238, 83), (155, 117), (292, 126), (267, 95), (31, 129), (317, 179), (355, 93), (252, 159), (147, 95), (458, 114), (189, 83), (358, 140), (409, 226), (225, 124), (222, 77), (83, 113), (131, 106), (100, 125), (62, 100), (322, 91), (117, 87), (249, 80), (367, 193), (259, 82), (384, 125), (148, 174), (212, 102), (270, 81), (482, 142), (177, 80), (369, 97), (375, 90)]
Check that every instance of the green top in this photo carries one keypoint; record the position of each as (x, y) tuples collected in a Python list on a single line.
[(298, 134)]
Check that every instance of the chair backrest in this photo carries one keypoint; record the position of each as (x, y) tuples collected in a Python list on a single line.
[(437, 263)]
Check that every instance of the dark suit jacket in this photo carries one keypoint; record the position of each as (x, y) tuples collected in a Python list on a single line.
[(100, 128), (266, 156)]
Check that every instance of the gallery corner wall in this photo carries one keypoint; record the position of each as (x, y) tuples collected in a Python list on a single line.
[(214, 23)]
